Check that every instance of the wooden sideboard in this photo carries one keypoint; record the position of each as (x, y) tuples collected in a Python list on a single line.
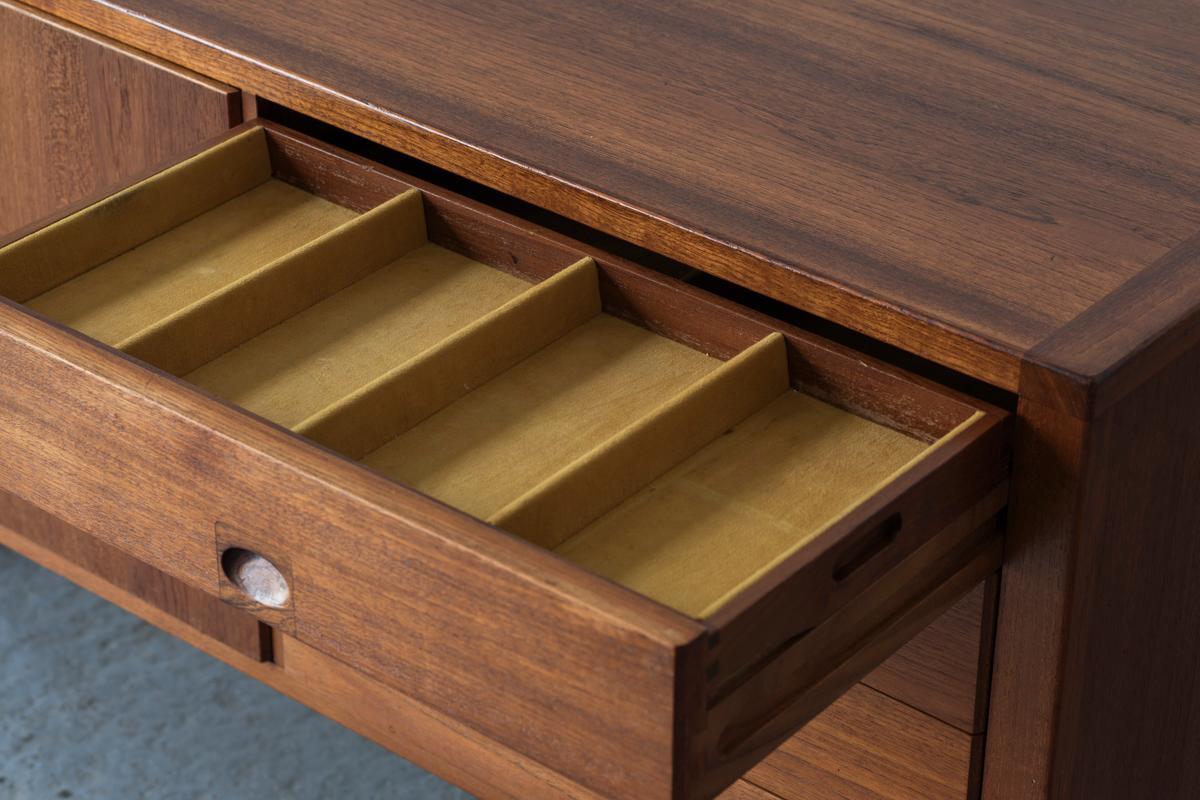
[(978, 227)]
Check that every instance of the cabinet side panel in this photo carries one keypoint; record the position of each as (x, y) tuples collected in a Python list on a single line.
[(1094, 692), (1129, 717)]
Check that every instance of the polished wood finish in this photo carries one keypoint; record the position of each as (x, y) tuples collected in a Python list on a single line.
[(743, 790), (80, 113), (440, 606), (957, 180), (839, 753), (1131, 700), (1121, 341), (1048, 464), (945, 671), (415, 594), (390, 718), (1096, 652), (1008, 191)]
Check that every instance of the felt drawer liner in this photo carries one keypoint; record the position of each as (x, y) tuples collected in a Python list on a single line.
[(483, 453), (525, 405)]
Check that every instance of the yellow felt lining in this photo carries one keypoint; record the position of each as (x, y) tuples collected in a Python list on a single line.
[(216, 323), (719, 520), (396, 401), (496, 443), (929, 449), (302, 366), (634, 456), (602, 478), (65, 249), (130, 292)]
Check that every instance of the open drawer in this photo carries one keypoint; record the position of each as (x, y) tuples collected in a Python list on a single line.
[(625, 529)]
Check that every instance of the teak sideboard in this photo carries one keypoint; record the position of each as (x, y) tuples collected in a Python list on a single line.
[(757, 401)]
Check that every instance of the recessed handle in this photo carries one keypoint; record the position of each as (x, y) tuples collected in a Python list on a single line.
[(256, 577), (871, 544)]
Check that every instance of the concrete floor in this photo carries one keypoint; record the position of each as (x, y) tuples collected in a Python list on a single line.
[(97, 705)]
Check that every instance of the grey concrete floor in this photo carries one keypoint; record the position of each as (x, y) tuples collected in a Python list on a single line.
[(97, 705)]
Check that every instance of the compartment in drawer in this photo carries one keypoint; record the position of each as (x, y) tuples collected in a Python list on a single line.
[(672, 528)]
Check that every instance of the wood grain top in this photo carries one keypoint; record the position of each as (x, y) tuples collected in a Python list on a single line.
[(959, 179)]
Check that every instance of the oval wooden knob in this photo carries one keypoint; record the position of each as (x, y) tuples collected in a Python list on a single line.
[(257, 577)]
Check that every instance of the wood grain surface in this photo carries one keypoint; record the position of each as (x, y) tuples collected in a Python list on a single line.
[(79, 113), (330, 687), (39, 531), (958, 179), (1094, 691), (744, 790), (830, 759), (1118, 343), (871, 747), (437, 604)]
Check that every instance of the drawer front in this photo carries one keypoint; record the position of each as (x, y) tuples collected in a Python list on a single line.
[(79, 113), (865, 743), (587, 437)]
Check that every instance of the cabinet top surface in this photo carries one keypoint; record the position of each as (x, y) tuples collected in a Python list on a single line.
[(960, 178)]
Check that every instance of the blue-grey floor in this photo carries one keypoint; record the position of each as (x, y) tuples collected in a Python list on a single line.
[(95, 703)]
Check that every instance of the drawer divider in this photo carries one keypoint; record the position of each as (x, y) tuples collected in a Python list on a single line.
[(612, 472), (215, 324), (420, 387), (104, 230)]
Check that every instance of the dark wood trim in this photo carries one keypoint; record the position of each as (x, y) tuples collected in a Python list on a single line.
[(248, 109), (1117, 344), (987, 656), (1129, 715), (1026, 679)]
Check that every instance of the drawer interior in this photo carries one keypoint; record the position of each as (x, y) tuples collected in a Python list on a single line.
[(535, 399)]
